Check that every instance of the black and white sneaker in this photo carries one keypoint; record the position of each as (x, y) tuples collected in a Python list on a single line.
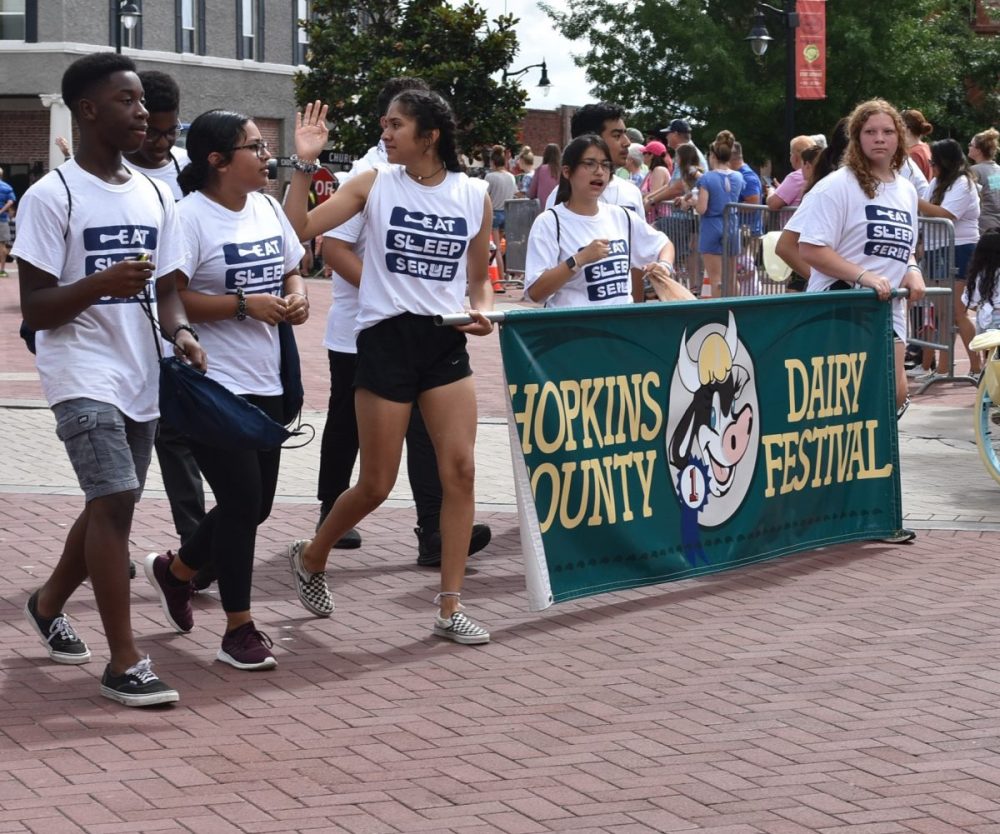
[(57, 634), (138, 687), (461, 629), (312, 589)]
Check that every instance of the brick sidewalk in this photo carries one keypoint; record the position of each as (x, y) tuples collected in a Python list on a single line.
[(844, 690)]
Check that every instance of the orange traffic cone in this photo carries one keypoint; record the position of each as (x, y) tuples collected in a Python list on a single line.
[(706, 287), (494, 274)]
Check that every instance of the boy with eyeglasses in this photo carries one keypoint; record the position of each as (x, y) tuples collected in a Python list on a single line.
[(159, 159)]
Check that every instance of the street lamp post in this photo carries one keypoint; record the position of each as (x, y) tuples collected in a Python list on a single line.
[(543, 82), (759, 41), (127, 14)]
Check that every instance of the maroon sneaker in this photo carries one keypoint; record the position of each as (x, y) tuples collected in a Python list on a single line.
[(247, 648), (175, 596)]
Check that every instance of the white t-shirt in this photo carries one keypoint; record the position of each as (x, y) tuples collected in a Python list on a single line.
[(166, 174), (912, 172), (618, 193), (606, 281), (417, 243), (878, 234), (343, 314), (107, 353), (986, 309), (962, 200), (254, 249)]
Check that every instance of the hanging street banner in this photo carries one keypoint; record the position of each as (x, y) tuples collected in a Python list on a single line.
[(657, 442), (810, 50)]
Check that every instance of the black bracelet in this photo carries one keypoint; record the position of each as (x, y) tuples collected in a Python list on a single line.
[(186, 327), (241, 304)]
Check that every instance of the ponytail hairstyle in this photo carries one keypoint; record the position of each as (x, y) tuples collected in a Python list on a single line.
[(855, 158), (947, 155), (839, 139), (217, 131), (722, 147), (818, 157), (983, 273), (432, 112), (497, 157), (986, 142), (571, 159)]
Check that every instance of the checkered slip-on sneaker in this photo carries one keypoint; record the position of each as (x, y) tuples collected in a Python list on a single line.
[(312, 589), (461, 629), (901, 536)]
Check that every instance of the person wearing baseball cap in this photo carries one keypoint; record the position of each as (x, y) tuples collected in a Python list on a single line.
[(677, 133)]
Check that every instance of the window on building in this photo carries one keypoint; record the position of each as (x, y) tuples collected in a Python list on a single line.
[(300, 47), (250, 30), (12, 20), (191, 26)]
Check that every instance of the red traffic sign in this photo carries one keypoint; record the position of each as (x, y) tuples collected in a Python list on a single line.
[(324, 184)]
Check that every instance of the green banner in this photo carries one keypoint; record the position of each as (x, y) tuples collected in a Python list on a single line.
[(661, 441)]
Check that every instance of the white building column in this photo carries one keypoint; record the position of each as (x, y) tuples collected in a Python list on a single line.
[(60, 124)]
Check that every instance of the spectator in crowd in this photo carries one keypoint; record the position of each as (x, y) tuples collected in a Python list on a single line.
[(501, 186), (525, 171), (634, 166), (403, 357), (836, 229), (789, 192), (983, 153), (678, 135), (546, 177), (917, 127), (224, 213), (85, 343), (717, 189), (655, 154), (7, 200), (581, 251), (953, 195)]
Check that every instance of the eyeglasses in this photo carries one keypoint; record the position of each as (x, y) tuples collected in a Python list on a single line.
[(154, 135), (259, 148), (593, 164)]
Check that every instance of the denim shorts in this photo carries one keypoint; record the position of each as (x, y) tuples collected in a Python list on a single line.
[(110, 453), (499, 217)]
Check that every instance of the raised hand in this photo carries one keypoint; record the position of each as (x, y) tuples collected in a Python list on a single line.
[(311, 131)]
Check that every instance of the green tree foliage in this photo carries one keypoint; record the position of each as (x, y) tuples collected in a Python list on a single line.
[(667, 58), (355, 46)]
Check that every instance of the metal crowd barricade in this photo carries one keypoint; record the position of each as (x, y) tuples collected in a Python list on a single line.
[(931, 322), (749, 265), (520, 214), (683, 227)]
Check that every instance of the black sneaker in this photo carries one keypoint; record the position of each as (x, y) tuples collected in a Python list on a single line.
[(429, 544), (138, 687), (351, 540), (57, 634)]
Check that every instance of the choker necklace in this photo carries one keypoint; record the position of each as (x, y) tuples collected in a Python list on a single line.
[(420, 178)]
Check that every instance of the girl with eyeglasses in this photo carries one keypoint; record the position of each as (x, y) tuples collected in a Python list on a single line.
[(241, 279), (581, 251), (427, 236)]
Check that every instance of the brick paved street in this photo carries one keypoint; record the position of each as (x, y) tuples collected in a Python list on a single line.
[(843, 690)]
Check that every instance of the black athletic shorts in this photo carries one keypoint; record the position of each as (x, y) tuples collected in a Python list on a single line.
[(398, 358)]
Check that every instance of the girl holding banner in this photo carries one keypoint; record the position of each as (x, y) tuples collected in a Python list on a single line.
[(859, 226), (428, 230), (581, 250)]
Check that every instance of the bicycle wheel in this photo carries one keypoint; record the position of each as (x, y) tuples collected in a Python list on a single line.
[(987, 416)]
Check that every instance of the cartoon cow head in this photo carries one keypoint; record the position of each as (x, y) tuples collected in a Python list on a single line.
[(717, 426)]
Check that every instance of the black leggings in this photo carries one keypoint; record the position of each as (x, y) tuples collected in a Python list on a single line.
[(244, 483)]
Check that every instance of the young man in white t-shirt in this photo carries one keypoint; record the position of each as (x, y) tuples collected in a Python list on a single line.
[(94, 237), (159, 159)]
